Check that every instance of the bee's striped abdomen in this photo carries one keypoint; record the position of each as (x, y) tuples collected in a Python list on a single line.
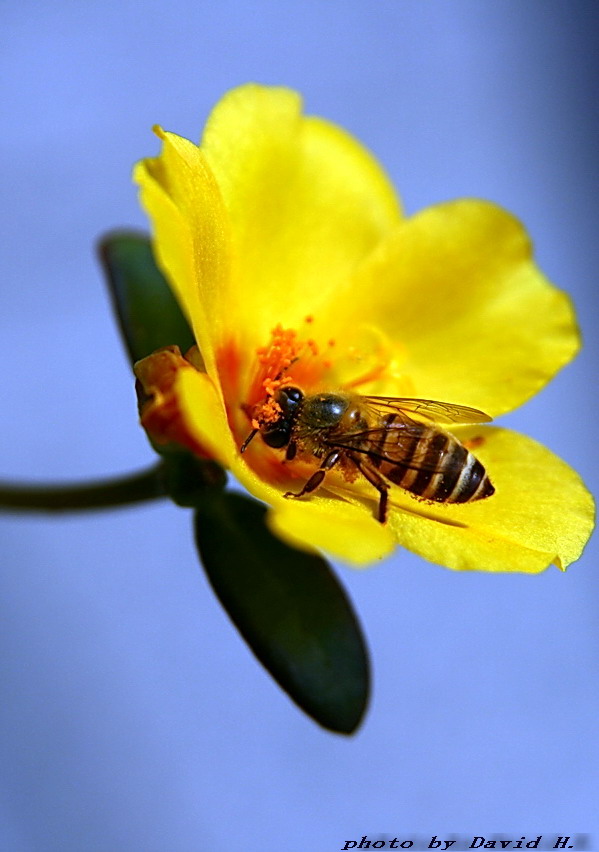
[(436, 466)]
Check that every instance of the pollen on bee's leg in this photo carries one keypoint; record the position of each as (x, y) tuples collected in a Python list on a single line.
[(268, 412)]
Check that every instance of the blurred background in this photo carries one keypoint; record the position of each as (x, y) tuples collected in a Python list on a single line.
[(133, 718)]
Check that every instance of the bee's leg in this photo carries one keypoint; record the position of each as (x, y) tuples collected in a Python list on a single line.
[(375, 478), (317, 477), (249, 438), (291, 451)]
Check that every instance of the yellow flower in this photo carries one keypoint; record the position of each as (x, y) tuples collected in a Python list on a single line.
[(285, 245)]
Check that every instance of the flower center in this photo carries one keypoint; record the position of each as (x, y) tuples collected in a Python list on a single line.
[(363, 360), (285, 360), (360, 359)]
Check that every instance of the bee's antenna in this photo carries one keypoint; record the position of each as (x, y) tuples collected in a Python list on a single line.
[(244, 446)]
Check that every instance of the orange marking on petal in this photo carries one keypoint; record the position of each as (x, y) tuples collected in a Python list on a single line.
[(368, 376), (474, 442), (229, 370)]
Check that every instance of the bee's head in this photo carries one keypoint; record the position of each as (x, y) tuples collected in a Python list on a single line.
[(276, 418), (277, 432)]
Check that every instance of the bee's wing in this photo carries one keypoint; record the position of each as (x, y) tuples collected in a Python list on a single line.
[(428, 409), (393, 445)]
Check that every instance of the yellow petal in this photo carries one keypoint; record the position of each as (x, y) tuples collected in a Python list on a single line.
[(191, 234), (346, 531), (203, 415), (323, 521), (476, 321), (540, 514), (306, 202)]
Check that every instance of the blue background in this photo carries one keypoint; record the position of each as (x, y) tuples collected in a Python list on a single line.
[(133, 717)]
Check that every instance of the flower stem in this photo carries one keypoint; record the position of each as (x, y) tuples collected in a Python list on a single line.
[(147, 485)]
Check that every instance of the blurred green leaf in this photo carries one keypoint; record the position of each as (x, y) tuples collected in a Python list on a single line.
[(290, 609), (189, 480), (148, 314)]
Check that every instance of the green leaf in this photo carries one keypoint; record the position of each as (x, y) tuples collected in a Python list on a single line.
[(189, 480), (148, 314), (289, 607)]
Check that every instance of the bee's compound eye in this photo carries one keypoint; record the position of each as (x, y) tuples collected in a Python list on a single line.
[(293, 394), (277, 436), (289, 399)]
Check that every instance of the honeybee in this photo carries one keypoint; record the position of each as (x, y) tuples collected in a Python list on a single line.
[(389, 440)]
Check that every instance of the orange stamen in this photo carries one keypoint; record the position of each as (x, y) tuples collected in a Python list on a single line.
[(275, 359), (285, 360)]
